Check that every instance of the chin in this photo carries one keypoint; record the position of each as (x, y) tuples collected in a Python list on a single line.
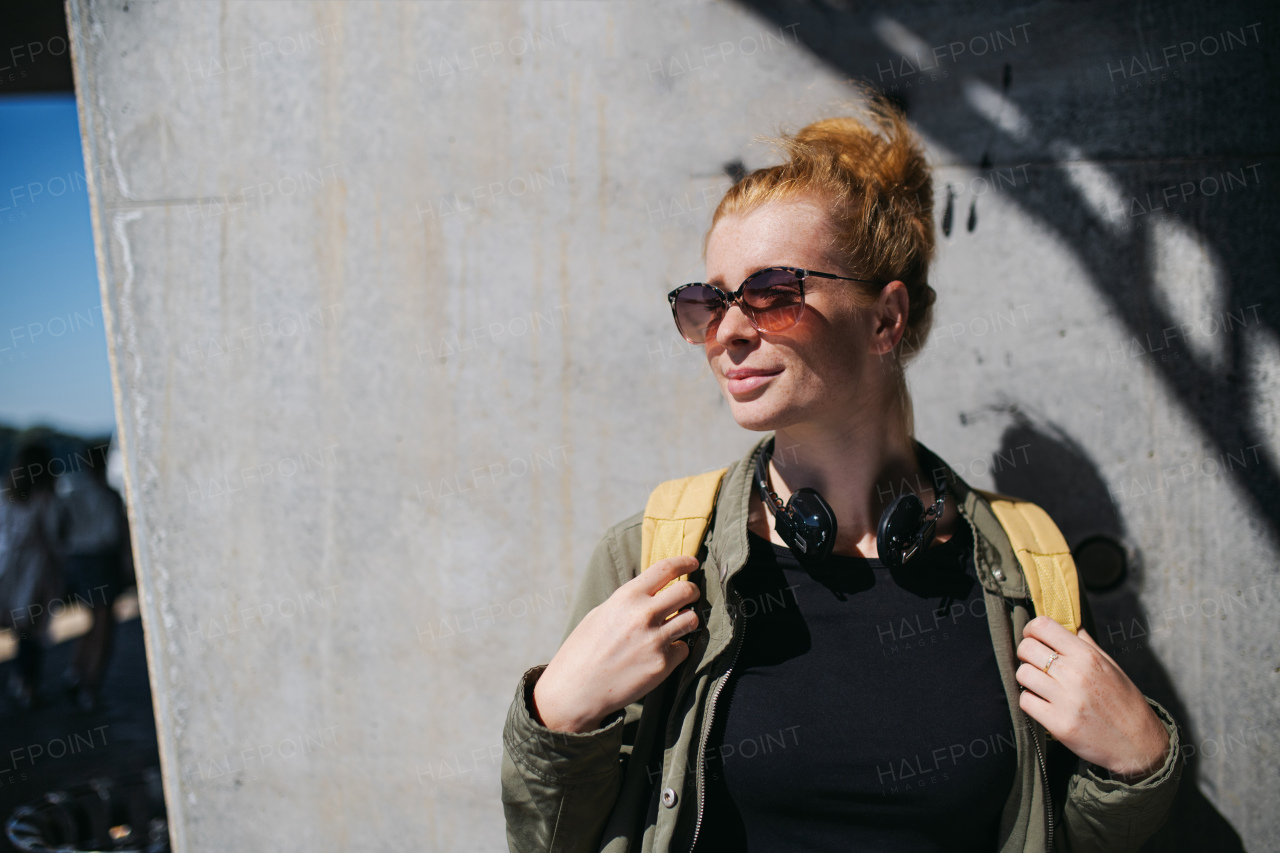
[(760, 414)]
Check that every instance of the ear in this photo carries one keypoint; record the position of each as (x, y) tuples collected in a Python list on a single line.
[(890, 317)]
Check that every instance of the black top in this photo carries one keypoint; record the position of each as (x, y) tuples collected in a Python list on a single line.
[(865, 710)]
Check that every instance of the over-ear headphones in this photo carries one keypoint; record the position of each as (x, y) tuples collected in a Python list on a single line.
[(808, 525)]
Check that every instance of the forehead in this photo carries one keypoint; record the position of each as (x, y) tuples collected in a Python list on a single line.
[(790, 233)]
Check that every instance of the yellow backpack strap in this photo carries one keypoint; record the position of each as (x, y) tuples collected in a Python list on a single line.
[(677, 516), (1044, 556)]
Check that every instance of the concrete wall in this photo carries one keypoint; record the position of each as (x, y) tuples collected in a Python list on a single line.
[(385, 296)]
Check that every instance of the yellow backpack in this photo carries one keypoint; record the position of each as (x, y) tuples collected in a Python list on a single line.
[(679, 511)]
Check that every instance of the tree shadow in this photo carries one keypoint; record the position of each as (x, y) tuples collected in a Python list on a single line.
[(1103, 152), (1061, 478)]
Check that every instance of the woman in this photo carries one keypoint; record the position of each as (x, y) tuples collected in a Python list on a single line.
[(843, 704)]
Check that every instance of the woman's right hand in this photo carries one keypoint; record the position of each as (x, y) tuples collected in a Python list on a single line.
[(622, 649)]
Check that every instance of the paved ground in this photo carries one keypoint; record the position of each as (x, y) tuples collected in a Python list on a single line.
[(56, 744)]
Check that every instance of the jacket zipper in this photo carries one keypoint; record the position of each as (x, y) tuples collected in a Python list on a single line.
[(706, 730), (1044, 776)]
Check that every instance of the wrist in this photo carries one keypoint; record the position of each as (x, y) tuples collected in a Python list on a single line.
[(548, 715), (1149, 760)]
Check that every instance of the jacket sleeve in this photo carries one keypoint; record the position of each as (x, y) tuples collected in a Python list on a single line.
[(1105, 815), (558, 788)]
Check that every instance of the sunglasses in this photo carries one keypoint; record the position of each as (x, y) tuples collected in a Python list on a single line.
[(772, 299)]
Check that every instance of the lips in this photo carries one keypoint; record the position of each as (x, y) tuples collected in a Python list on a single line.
[(742, 380)]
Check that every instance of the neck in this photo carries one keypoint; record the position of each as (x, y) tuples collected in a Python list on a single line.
[(858, 467)]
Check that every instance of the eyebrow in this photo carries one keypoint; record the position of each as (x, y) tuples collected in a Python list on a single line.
[(718, 281)]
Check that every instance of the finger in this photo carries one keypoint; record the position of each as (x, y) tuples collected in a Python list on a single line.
[(1034, 652), (1050, 633), (671, 598), (1044, 686), (1036, 708), (1084, 636), (679, 625), (675, 652), (663, 572)]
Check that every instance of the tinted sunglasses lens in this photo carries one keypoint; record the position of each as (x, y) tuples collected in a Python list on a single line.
[(775, 299), (697, 307)]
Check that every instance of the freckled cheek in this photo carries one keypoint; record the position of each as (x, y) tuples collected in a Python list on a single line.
[(800, 381), (821, 366)]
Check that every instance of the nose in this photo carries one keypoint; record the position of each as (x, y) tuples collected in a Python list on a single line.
[(734, 327)]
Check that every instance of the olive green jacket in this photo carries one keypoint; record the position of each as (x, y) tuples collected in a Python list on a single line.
[(635, 785)]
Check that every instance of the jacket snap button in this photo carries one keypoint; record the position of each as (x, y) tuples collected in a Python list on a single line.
[(668, 797)]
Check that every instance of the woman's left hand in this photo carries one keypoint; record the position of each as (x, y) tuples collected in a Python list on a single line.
[(1087, 702)]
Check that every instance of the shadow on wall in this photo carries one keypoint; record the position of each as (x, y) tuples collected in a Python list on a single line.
[(1142, 137), (1068, 486), (1148, 159)]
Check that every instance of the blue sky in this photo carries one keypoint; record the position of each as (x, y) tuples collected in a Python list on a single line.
[(53, 350)]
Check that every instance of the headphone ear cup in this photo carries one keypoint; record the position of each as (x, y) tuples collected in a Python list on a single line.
[(818, 522), (898, 523)]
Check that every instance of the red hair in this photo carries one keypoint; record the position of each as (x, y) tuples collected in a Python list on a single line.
[(870, 173)]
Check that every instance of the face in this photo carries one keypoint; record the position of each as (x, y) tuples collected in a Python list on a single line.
[(830, 365)]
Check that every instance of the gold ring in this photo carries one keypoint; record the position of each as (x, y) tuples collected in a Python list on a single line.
[(1053, 656)]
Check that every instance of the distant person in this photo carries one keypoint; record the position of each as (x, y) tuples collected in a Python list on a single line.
[(30, 568), (92, 527)]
